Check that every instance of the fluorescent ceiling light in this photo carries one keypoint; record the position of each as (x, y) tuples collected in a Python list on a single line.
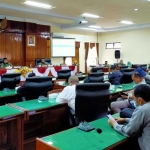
[(136, 9), (90, 15), (96, 27), (37, 4), (126, 22), (89, 29)]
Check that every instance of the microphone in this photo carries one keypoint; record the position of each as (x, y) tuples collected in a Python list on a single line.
[(99, 130), (43, 98)]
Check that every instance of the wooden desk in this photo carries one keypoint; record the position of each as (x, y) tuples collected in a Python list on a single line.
[(44, 118), (9, 97), (125, 87), (10, 128), (75, 139)]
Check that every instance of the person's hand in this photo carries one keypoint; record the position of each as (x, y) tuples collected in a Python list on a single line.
[(124, 96), (111, 122), (120, 120)]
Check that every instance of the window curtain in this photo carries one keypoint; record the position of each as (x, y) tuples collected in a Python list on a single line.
[(86, 54)]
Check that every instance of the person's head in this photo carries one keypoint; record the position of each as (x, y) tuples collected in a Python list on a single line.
[(137, 78), (121, 61), (5, 60), (112, 68), (42, 60), (141, 94), (31, 38), (73, 80), (106, 62)]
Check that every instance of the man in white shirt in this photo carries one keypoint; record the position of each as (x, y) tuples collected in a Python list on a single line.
[(69, 93)]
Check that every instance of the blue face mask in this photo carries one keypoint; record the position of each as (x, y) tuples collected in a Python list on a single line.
[(134, 103)]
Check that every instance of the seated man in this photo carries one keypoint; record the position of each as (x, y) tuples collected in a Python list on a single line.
[(115, 76), (126, 101), (106, 64), (121, 63), (139, 124), (69, 93), (43, 63), (6, 64)]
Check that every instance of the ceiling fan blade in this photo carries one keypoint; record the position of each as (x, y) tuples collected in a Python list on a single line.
[(3, 23)]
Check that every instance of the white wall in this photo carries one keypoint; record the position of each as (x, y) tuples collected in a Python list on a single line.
[(82, 37), (135, 46)]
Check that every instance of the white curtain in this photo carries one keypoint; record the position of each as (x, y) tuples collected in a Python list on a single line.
[(92, 58), (68, 61)]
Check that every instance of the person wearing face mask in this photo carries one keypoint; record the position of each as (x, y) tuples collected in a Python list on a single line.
[(127, 101), (139, 124)]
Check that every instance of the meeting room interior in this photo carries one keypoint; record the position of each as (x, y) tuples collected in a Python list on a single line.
[(64, 68)]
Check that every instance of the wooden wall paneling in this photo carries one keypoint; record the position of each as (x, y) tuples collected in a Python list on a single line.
[(31, 27), (2, 45), (15, 26), (41, 51), (13, 42), (86, 45), (48, 48), (97, 48), (43, 29), (76, 58), (30, 51), (18, 48)]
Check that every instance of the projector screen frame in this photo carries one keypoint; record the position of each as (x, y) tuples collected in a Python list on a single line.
[(52, 47)]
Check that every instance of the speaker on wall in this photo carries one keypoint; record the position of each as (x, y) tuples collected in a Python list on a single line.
[(117, 54)]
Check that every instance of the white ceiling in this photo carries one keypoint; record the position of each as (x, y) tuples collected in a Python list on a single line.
[(67, 13)]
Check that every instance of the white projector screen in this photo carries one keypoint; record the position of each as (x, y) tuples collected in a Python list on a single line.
[(63, 47)]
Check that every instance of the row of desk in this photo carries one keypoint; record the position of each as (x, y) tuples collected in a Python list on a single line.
[(22, 122), (75, 139)]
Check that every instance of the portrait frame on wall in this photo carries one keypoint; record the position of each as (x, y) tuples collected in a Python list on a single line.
[(31, 40)]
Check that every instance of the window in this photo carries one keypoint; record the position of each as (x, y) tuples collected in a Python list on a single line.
[(109, 45), (113, 45), (117, 45)]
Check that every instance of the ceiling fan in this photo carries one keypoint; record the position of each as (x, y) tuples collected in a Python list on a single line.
[(3, 25)]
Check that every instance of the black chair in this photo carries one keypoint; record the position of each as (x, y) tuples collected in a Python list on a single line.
[(96, 77), (1, 61), (126, 78), (38, 60), (144, 67), (48, 60), (139, 65), (131, 70), (9, 80), (91, 102), (37, 86), (147, 79), (97, 69), (123, 67), (64, 74)]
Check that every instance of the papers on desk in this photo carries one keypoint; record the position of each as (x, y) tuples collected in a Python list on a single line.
[(118, 90), (81, 81), (112, 87)]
